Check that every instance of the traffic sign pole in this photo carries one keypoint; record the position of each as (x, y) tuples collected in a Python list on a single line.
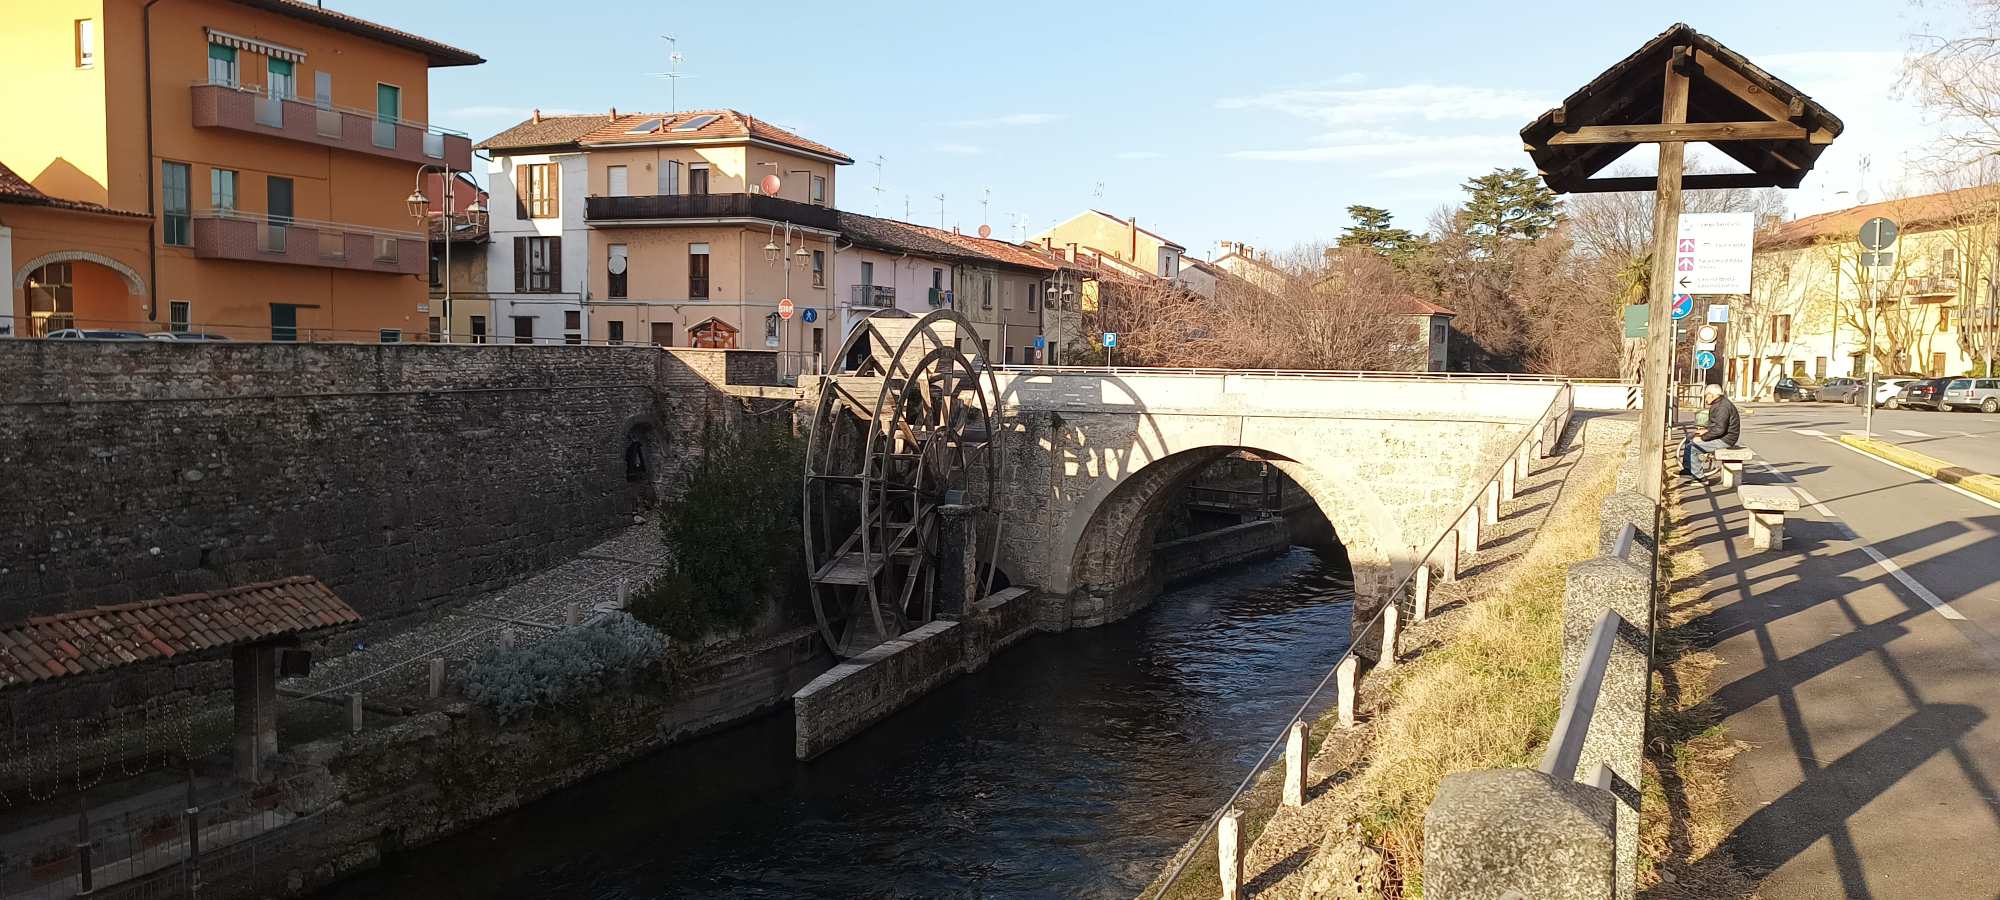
[(1877, 234)]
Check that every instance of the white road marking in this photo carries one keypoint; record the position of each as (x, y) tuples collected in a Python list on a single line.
[(1964, 434), (1908, 433), (1888, 565), (1906, 469), (1809, 432)]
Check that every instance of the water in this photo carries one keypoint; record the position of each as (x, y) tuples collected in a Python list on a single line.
[(1072, 766)]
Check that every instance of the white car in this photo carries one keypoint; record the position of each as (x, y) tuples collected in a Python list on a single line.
[(1886, 390)]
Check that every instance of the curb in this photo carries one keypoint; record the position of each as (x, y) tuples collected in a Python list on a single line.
[(1980, 483)]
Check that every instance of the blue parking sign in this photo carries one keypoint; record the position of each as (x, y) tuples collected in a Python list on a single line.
[(1110, 339)]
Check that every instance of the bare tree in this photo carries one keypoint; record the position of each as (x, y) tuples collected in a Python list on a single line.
[(1954, 72)]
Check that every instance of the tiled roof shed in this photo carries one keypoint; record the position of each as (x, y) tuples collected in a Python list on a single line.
[(93, 640)]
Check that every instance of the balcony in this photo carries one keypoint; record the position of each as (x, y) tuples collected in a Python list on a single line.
[(1931, 286), (869, 296), (253, 237), (250, 109), (667, 208)]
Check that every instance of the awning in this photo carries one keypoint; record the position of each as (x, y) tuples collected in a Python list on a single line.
[(274, 51)]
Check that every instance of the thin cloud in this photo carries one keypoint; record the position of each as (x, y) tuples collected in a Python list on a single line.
[(1350, 78), (1429, 102), (479, 111), (958, 149), (1011, 120), (1361, 144), (1141, 154)]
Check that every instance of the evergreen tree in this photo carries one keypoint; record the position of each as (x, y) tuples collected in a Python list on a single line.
[(1508, 205), (1372, 230)]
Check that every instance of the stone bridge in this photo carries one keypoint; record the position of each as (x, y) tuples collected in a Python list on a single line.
[(1092, 459)]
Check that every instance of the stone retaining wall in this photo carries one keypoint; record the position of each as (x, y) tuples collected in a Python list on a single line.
[(1211, 551)]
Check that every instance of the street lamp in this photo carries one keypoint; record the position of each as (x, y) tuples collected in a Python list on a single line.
[(420, 209)]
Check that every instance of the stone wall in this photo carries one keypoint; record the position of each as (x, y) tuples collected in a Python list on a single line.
[(402, 475), (1201, 554)]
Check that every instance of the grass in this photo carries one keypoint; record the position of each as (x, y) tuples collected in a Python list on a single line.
[(1984, 485)]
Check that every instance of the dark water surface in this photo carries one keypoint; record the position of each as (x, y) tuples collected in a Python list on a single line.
[(1072, 766)]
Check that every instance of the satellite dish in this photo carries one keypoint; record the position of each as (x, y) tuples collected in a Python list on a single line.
[(985, 231), (771, 185), (616, 266)]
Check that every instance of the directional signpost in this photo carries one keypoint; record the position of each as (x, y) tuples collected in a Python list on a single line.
[(1712, 254), (1877, 236)]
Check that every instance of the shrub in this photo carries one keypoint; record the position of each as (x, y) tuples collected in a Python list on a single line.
[(567, 666)]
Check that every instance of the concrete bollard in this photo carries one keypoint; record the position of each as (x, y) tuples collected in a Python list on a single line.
[(437, 677), (1507, 473), (1491, 507), (572, 613), (1392, 635), (354, 712), (1420, 593), (1448, 551), (1229, 854), (624, 591), (506, 639), (1468, 531), (1343, 679), (1518, 833), (1295, 765)]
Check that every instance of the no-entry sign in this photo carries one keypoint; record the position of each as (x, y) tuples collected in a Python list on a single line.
[(785, 308)]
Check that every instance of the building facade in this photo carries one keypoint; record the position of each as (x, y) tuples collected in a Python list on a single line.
[(538, 263), (274, 145), (1119, 239)]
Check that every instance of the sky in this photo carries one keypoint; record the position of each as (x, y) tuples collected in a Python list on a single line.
[(1245, 121)]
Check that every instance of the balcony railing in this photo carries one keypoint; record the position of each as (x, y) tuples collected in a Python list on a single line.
[(708, 206), (1931, 286), (255, 110), (232, 234), (869, 295)]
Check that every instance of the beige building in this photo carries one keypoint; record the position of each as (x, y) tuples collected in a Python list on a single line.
[(1119, 239), (1813, 309)]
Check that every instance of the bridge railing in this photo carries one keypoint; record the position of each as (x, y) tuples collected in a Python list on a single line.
[(1411, 595), (1355, 374)]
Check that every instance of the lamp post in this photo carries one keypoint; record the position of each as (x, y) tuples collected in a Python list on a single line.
[(420, 210)]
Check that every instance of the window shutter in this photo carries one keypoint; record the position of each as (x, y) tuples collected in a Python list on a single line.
[(555, 190), (520, 265), (555, 265), (522, 175)]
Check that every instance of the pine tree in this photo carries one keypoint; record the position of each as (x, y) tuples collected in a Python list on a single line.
[(1372, 230), (1507, 205)]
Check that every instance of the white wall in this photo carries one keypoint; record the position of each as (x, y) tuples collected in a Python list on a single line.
[(910, 275), (506, 226)]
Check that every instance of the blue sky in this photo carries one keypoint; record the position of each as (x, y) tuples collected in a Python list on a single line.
[(1243, 121)]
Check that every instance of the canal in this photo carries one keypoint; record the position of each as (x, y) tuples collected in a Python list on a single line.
[(1072, 766)]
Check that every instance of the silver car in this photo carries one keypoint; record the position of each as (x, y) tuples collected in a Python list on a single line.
[(1982, 394), (1839, 390)]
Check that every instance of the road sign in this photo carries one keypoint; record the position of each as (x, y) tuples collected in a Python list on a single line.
[(810, 315), (1683, 306), (1705, 334), (785, 308), (1879, 258), (1704, 359), (1878, 233), (1110, 339), (1718, 313), (1712, 253), (1635, 321), (1041, 343)]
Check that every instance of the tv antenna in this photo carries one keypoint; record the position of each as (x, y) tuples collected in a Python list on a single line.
[(940, 200), (673, 75), (1098, 192), (985, 200), (877, 163)]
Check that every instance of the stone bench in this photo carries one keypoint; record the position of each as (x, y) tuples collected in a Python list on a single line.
[(1732, 464), (1767, 505)]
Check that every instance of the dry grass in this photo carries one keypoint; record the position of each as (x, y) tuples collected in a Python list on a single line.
[(1684, 808), (1486, 699)]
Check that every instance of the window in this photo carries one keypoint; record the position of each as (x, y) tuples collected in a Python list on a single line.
[(323, 90), (51, 299), (479, 329), (179, 314), (986, 293), (537, 265), (985, 350), (937, 279), (437, 269), (1781, 329), (1798, 368), (436, 329), (221, 64), (819, 268), (663, 334), (698, 271), (614, 271), (697, 178), (392, 336), (1950, 262), (1034, 294), (867, 276), (284, 322), (1169, 263), (614, 181), (278, 200), (1010, 356), (572, 326), (818, 190), (1944, 318), (222, 188), (536, 191), (1437, 332), (278, 79), (1819, 368), (86, 43), (174, 203), (615, 330), (670, 177), (524, 329)]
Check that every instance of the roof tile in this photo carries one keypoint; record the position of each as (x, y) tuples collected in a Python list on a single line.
[(725, 125)]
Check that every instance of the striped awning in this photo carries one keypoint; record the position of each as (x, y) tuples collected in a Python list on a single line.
[(274, 51)]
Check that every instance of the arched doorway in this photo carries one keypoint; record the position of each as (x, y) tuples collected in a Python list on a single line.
[(77, 289)]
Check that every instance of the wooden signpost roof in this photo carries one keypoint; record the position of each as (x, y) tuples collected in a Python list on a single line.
[(1768, 126)]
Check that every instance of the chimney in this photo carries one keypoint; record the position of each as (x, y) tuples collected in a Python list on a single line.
[(536, 116), (1048, 244), (1071, 253), (614, 112), (1132, 226)]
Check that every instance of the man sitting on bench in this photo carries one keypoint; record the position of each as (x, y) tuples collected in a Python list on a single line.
[(1725, 426)]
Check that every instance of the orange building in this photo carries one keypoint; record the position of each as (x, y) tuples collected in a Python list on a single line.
[(272, 146)]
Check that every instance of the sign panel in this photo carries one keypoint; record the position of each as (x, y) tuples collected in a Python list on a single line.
[(1683, 306), (1879, 258), (810, 315), (1110, 339), (1718, 314), (1704, 359), (1712, 253), (785, 308), (1041, 343), (1878, 233), (1637, 320)]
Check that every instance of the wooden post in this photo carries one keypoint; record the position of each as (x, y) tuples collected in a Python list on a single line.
[(1295, 765), (1392, 634), (437, 677), (1344, 680), (1659, 317), (1420, 592), (1229, 853), (354, 712)]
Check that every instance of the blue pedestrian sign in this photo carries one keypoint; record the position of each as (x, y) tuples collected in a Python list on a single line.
[(1683, 306), (1041, 343), (1704, 359), (811, 315), (1110, 339)]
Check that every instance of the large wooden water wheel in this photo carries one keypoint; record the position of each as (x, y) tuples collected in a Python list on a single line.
[(905, 421)]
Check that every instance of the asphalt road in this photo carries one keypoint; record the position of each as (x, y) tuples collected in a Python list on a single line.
[(1970, 439), (1861, 664)]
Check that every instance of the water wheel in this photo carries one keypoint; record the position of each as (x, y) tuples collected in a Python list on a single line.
[(904, 423)]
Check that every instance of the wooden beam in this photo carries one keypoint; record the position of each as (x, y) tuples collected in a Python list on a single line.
[(1689, 182), (1660, 326), (1694, 131), (1728, 79)]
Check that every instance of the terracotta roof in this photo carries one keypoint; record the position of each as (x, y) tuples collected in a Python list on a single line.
[(439, 54), (993, 250), (543, 130), (15, 189), (1418, 306), (899, 237), (107, 637), (1911, 214), (726, 126)]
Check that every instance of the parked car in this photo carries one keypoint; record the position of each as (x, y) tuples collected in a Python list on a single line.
[(188, 336), (1886, 391), (1982, 394), (1839, 390), (1927, 393), (94, 334), (1794, 390)]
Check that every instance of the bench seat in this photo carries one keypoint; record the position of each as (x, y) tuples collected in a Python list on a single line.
[(1732, 461), (1767, 505)]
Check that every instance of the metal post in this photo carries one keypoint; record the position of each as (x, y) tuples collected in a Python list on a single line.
[(1868, 359), (444, 329), (1660, 324), (83, 867), (193, 819), (354, 712)]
